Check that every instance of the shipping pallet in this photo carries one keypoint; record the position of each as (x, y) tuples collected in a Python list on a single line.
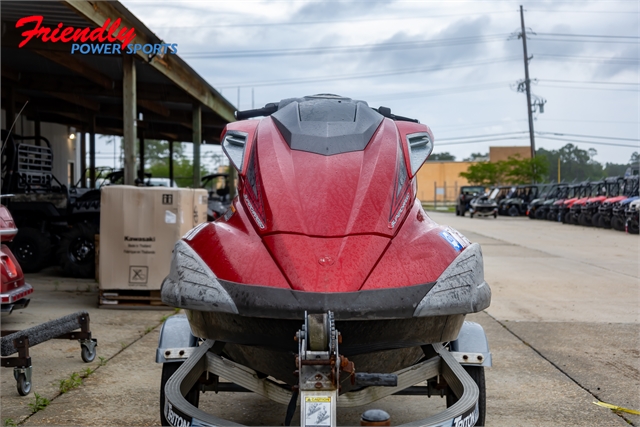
[(130, 299)]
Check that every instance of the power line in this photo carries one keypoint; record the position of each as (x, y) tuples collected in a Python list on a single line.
[(334, 21), (590, 82), (366, 75), (588, 36), (437, 144), (591, 88), (582, 41), (422, 44), (588, 142), (481, 136), (436, 92), (589, 136), (572, 11), (595, 58)]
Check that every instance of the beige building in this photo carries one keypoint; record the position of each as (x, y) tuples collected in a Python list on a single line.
[(503, 153), (440, 182)]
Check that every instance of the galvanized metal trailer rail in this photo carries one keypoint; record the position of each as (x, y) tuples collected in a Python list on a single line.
[(21, 341), (205, 362)]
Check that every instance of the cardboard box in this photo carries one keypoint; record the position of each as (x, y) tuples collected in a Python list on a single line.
[(139, 227)]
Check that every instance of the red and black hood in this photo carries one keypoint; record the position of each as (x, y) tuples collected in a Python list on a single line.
[(327, 204)]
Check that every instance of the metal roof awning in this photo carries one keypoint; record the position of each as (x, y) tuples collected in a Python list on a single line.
[(86, 91)]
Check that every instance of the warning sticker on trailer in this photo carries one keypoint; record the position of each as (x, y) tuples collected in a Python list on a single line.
[(317, 411)]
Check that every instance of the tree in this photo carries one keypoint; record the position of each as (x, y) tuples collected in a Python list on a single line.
[(446, 156), (486, 173), (157, 162), (475, 157), (526, 171), (576, 164), (514, 170), (635, 159)]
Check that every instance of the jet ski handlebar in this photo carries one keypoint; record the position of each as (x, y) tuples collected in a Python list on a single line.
[(267, 110), (272, 107)]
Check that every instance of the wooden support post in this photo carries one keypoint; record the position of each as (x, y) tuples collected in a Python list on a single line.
[(83, 158), (92, 152), (170, 163), (197, 140), (141, 156), (129, 118)]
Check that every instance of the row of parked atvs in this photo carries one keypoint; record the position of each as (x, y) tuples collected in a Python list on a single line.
[(609, 203)]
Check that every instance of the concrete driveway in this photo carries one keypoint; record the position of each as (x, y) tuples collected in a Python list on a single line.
[(563, 329)]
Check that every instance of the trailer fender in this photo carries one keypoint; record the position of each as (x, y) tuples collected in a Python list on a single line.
[(471, 342), (175, 339)]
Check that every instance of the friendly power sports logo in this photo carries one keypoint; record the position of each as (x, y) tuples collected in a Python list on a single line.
[(112, 38)]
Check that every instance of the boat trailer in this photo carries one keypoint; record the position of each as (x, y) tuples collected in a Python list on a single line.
[(21, 341), (320, 367)]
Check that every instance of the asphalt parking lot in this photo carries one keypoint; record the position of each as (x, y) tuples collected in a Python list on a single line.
[(563, 330)]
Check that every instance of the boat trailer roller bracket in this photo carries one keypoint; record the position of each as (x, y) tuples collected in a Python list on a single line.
[(319, 370)]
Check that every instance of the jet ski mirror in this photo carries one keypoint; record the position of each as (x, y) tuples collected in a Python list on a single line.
[(233, 145), (420, 148)]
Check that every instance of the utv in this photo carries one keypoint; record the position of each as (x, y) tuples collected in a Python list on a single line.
[(629, 189), (219, 199), (582, 193), (518, 202), (47, 213), (467, 192), (538, 208), (589, 210), (631, 212)]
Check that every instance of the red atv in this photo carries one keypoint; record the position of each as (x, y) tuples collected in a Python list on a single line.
[(14, 289)]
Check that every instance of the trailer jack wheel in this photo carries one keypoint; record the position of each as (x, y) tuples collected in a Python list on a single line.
[(88, 352), (23, 380)]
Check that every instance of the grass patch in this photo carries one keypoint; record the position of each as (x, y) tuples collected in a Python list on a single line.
[(103, 360), (74, 381), (8, 422), (38, 404)]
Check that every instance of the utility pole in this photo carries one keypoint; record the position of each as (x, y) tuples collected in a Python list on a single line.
[(527, 83)]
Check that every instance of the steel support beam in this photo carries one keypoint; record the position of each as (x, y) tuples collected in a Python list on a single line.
[(129, 118), (197, 140)]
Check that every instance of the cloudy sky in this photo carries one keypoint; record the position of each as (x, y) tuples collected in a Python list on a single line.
[(453, 65)]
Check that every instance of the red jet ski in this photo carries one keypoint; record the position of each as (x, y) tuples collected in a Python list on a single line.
[(14, 290), (326, 220)]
